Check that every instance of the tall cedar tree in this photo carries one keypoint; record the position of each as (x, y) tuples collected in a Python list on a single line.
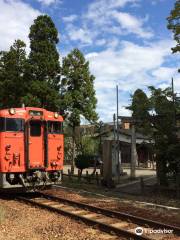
[(164, 133), (161, 127), (79, 94), (12, 68), (44, 67), (174, 25), (140, 107), (140, 112)]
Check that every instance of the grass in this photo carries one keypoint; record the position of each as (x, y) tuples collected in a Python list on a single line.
[(155, 198)]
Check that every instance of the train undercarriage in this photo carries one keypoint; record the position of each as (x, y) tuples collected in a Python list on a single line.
[(31, 179)]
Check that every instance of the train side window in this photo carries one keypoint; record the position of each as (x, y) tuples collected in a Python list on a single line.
[(35, 128), (55, 127), (2, 124), (14, 125)]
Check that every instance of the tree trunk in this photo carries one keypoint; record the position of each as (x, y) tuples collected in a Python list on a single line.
[(95, 167), (73, 151), (161, 171), (79, 174)]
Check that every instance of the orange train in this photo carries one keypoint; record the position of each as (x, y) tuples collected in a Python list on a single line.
[(31, 147)]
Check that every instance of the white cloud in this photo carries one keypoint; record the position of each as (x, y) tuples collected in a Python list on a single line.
[(131, 66), (100, 42), (164, 73), (79, 34), (105, 18), (16, 17), (155, 2), (132, 24), (106, 14), (99, 7), (70, 18), (91, 55), (49, 2)]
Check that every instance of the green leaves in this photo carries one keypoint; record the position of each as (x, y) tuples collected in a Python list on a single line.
[(36, 80), (79, 96), (33, 81), (44, 63), (12, 70), (140, 108), (160, 125)]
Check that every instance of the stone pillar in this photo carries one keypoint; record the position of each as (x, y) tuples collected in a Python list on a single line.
[(110, 162)]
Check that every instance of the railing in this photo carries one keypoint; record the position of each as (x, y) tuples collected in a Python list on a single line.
[(89, 178)]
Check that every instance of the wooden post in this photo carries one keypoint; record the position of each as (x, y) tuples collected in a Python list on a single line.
[(62, 175), (79, 174), (178, 185), (142, 185), (69, 174), (101, 170), (87, 176), (97, 178)]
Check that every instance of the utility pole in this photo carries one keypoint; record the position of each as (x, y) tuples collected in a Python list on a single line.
[(133, 151), (117, 129), (174, 101), (117, 104), (114, 125)]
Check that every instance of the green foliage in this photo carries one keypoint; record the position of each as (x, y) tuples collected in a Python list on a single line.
[(68, 149), (161, 101), (33, 81), (161, 126), (78, 89), (140, 108), (140, 105), (165, 135), (87, 145), (43, 71), (83, 161), (13, 86), (174, 25)]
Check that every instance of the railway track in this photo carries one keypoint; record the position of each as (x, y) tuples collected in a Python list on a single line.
[(113, 222)]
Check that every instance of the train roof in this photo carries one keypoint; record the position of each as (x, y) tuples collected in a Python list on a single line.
[(33, 112)]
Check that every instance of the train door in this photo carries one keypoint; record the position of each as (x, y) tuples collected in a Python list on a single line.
[(55, 143), (36, 144)]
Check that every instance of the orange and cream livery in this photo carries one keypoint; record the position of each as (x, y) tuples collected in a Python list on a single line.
[(31, 147)]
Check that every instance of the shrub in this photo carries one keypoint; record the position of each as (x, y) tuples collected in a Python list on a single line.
[(82, 161)]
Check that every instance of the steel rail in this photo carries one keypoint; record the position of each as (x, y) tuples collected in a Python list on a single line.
[(101, 225), (119, 215)]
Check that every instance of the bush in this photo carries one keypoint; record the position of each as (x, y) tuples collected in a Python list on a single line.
[(83, 161)]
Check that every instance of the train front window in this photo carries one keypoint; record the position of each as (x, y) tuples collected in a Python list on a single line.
[(55, 127), (35, 128), (14, 125), (11, 124)]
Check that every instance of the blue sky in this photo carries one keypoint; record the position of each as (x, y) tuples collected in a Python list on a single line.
[(125, 41)]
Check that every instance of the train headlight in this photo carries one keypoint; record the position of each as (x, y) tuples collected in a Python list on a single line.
[(12, 111), (56, 115)]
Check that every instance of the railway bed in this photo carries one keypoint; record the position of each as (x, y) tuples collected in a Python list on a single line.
[(109, 221)]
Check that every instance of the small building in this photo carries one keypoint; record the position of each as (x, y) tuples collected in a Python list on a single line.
[(143, 145)]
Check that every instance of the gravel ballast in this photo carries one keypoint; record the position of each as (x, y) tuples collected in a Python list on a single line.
[(19, 221)]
